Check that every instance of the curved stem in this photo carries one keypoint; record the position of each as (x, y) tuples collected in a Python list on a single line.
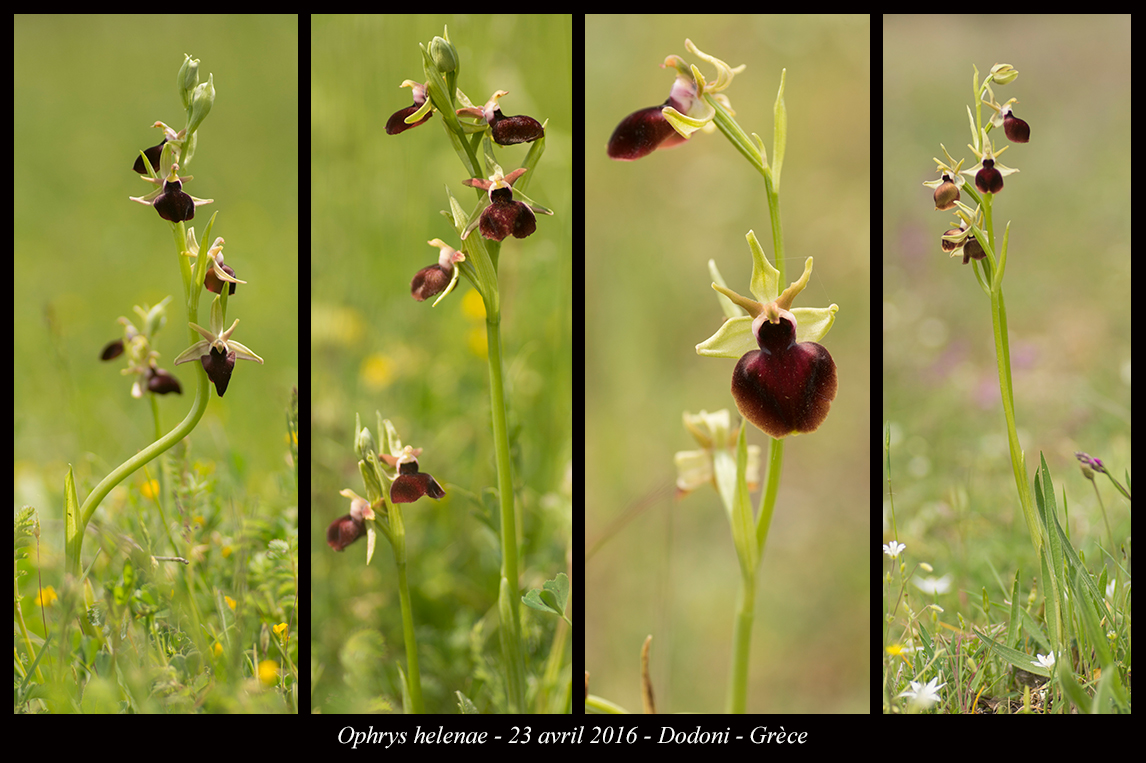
[(124, 470)]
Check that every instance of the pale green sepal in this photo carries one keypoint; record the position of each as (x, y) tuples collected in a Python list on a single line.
[(456, 214), (147, 163), (813, 323), (780, 139), (974, 131), (450, 286), (727, 305), (418, 115), (475, 218), (536, 149), (439, 93), (760, 147), (686, 125), (732, 340), (765, 278), (519, 196)]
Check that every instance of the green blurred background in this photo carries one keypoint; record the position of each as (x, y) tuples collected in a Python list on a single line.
[(651, 227), (1067, 283), (376, 202), (86, 91)]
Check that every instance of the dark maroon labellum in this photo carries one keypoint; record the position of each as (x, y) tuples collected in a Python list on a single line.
[(396, 123), (213, 283), (344, 531), (112, 350), (1017, 130), (504, 217), (785, 387), (173, 204), (508, 131), (152, 154), (412, 485), (162, 383), (989, 179), (642, 132), (946, 195), (429, 282), (219, 365)]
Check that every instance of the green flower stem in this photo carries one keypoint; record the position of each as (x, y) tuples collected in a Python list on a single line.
[(771, 489), (777, 228), (509, 629), (1006, 389), (750, 546), (74, 542), (124, 470), (481, 265), (739, 139), (994, 279), (397, 533), (163, 494), (737, 701)]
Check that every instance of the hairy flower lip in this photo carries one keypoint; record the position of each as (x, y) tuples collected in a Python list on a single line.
[(644, 131), (504, 215), (509, 131), (344, 531), (784, 380), (397, 122), (786, 387)]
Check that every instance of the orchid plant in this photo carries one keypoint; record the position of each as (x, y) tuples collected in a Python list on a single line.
[(1077, 609), (784, 380), (392, 476), (201, 266)]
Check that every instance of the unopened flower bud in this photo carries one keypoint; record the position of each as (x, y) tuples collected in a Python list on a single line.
[(188, 78), (444, 55), (202, 99)]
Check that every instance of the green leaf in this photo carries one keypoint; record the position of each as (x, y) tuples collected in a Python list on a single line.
[(73, 532), (780, 137)]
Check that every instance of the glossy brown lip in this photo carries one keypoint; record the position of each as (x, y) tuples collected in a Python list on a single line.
[(344, 531)]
